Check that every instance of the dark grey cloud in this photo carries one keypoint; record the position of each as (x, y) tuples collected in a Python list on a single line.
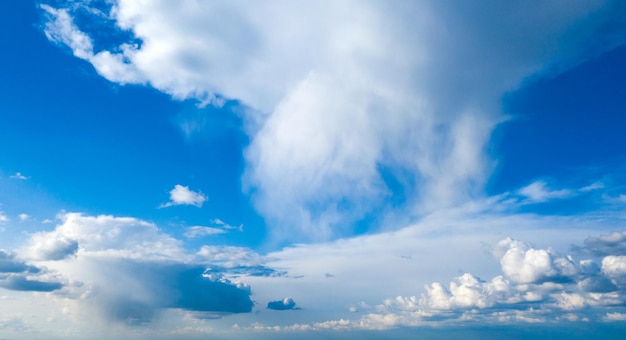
[(285, 304)]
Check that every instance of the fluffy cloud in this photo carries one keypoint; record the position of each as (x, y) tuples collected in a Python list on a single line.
[(285, 304), (181, 195), (3, 217), (127, 270), (350, 99)]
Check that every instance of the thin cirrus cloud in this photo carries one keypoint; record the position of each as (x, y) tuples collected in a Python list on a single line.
[(182, 195), (348, 98)]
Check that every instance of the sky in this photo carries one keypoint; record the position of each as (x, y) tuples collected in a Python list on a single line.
[(297, 169)]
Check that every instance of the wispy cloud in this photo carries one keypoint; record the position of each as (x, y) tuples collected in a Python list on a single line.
[(181, 195), (199, 231), (538, 192), (18, 175)]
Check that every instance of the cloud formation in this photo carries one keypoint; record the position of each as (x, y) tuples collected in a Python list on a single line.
[(181, 195), (355, 99), (285, 304), (127, 270)]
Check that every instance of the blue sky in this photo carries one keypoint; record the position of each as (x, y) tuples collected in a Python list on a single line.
[(291, 169)]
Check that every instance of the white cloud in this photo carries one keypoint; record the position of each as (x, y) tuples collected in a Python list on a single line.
[(23, 217), (351, 92), (199, 231), (3, 217), (181, 195), (615, 316), (18, 175), (537, 192)]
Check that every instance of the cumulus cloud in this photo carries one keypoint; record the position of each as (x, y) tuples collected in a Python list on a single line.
[(181, 195), (3, 217), (285, 304), (23, 217), (127, 270), (352, 94)]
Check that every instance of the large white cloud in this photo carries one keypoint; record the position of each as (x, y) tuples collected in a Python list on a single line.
[(342, 92)]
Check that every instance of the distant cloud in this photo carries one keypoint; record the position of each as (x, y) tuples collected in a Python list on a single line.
[(603, 245), (3, 217), (199, 231), (23, 217), (538, 192), (18, 175), (285, 304), (181, 195)]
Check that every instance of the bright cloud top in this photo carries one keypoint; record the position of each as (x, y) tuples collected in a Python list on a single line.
[(181, 195), (361, 93)]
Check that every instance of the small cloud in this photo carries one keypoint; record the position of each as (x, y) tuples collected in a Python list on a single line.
[(199, 231), (224, 225), (353, 309), (285, 304), (537, 192), (3, 217), (181, 195), (591, 187), (23, 217), (615, 317), (18, 175)]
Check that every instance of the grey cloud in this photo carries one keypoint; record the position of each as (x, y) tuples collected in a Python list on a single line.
[(611, 244), (16, 274), (21, 283), (285, 304), (152, 286)]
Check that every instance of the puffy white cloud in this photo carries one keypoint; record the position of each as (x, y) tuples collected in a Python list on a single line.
[(45, 246), (23, 217), (181, 195), (610, 244), (614, 267), (3, 217), (524, 264), (357, 88)]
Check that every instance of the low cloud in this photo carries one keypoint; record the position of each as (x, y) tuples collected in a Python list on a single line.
[(181, 195)]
